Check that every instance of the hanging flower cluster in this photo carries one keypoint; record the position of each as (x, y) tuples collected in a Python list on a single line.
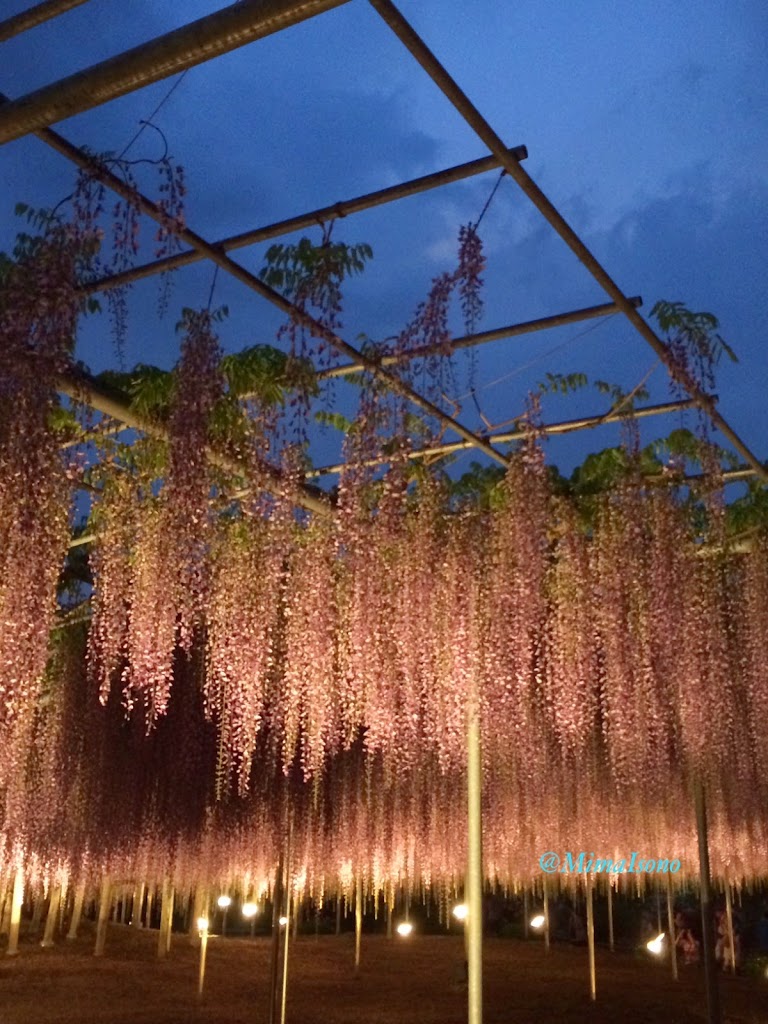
[(39, 306)]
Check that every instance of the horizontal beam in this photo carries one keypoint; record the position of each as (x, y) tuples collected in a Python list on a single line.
[(564, 427), (84, 390), (543, 323), (305, 220), (255, 284), (34, 16), (183, 48), (461, 102)]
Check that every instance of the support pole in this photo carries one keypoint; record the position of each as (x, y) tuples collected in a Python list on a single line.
[(338, 914), (671, 929), (358, 920), (166, 920), (77, 911), (274, 967), (286, 937), (591, 941), (729, 921), (104, 908), (544, 323), (51, 919), (707, 938), (610, 916), (546, 913), (546, 429), (203, 953), (138, 906), (150, 905), (34, 16), (17, 899), (525, 914), (474, 922), (184, 47)]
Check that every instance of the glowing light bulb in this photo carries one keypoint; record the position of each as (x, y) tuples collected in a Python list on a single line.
[(461, 912), (404, 929), (224, 901), (202, 924), (283, 921), (656, 945), (538, 921), (250, 910)]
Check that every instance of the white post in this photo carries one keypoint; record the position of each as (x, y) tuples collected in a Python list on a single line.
[(104, 907), (203, 950), (286, 943), (17, 899), (729, 920), (138, 905), (671, 929), (474, 922), (591, 941), (53, 913), (77, 911), (358, 920), (610, 915)]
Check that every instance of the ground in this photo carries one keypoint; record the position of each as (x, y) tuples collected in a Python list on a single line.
[(413, 981)]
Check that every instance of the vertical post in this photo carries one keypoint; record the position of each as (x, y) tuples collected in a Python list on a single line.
[(274, 967), (104, 908), (203, 951), (77, 911), (150, 906), (138, 905), (610, 916), (671, 929), (53, 913), (474, 922), (525, 914), (591, 941), (338, 914), (358, 920), (710, 967), (286, 943), (166, 920), (546, 913), (37, 914), (17, 899), (729, 920), (199, 909)]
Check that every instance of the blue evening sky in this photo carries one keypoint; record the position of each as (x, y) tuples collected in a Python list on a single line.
[(646, 123)]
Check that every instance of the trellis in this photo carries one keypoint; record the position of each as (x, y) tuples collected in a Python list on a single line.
[(235, 26)]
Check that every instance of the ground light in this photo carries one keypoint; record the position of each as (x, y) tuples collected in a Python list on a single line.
[(461, 912), (404, 929), (656, 946), (202, 927), (538, 921)]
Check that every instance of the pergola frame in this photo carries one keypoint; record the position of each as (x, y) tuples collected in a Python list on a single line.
[(235, 26)]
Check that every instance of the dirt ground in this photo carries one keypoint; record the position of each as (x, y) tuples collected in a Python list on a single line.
[(404, 981)]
